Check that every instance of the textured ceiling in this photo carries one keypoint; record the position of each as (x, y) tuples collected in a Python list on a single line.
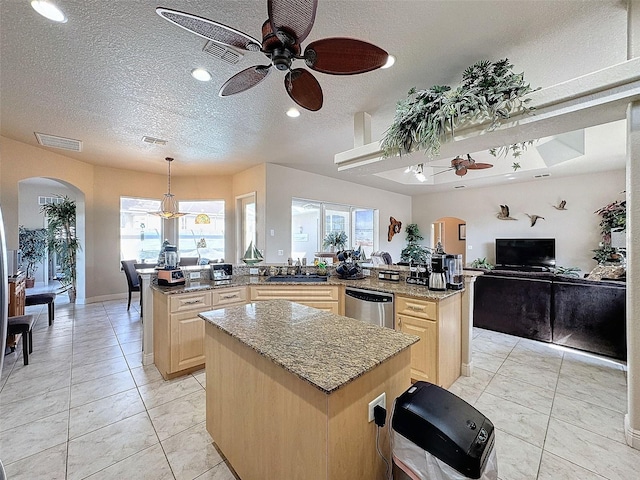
[(116, 71)]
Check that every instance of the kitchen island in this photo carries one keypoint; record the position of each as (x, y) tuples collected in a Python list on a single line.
[(288, 388)]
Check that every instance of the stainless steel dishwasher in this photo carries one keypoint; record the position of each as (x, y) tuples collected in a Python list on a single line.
[(369, 306)]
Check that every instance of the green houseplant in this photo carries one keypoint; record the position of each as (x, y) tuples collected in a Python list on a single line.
[(33, 243), (61, 225), (489, 92), (335, 240), (414, 252), (482, 263), (614, 219)]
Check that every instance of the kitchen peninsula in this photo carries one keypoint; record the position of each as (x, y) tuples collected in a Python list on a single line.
[(288, 388)]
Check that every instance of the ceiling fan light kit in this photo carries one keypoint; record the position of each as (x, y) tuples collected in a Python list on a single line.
[(288, 25)]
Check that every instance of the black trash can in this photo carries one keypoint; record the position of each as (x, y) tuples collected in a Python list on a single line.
[(437, 435)]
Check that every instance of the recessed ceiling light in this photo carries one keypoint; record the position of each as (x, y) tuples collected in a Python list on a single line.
[(49, 10), (293, 112), (201, 74), (390, 61)]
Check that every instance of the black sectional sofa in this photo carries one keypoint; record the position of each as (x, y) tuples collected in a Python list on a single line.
[(585, 314)]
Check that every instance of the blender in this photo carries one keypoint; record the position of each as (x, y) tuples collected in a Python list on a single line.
[(455, 279), (170, 275)]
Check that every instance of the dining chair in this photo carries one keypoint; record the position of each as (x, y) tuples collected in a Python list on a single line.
[(133, 282)]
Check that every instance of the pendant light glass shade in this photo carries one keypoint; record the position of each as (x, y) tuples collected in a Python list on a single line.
[(168, 205)]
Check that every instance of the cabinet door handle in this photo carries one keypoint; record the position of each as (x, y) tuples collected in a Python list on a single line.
[(415, 308), (191, 302), (227, 297)]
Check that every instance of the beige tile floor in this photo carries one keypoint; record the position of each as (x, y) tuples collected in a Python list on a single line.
[(85, 407), (559, 413)]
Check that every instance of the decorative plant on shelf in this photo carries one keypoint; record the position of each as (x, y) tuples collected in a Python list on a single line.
[(33, 244), (61, 224), (614, 219), (489, 92), (567, 271), (482, 263), (414, 252), (335, 240)]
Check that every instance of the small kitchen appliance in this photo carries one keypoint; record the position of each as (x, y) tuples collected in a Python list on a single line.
[(221, 272), (455, 279), (436, 434), (438, 277), (390, 275), (170, 275), (418, 274)]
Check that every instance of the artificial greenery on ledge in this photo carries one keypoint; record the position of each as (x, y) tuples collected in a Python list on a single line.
[(489, 92)]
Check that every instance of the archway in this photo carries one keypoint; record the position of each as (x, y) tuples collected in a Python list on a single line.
[(452, 233), (32, 192)]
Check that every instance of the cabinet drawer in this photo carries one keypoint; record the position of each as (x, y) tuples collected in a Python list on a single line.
[(229, 296), (416, 308), (190, 301), (315, 293)]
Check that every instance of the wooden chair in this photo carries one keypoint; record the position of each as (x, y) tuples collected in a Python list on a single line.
[(133, 281)]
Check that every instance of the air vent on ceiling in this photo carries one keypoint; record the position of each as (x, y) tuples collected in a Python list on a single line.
[(52, 141), (460, 186), (542, 175), (223, 53), (153, 140)]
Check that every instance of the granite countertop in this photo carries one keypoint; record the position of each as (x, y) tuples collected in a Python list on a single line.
[(367, 283), (322, 348)]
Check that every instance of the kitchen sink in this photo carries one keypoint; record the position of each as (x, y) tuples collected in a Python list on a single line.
[(297, 278)]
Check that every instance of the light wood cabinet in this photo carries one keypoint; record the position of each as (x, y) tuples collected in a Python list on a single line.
[(322, 297), (436, 358), (178, 331), (17, 294)]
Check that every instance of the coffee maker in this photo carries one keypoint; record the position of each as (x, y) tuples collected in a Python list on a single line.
[(455, 280), (438, 277)]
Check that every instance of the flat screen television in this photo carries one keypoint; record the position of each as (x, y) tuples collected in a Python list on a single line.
[(526, 252)]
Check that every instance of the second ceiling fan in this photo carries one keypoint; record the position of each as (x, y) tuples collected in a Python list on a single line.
[(461, 166), (289, 23)]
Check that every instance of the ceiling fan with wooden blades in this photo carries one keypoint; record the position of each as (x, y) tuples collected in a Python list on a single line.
[(288, 25)]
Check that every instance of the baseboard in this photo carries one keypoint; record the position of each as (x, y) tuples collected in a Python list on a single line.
[(632, 435), (466, 369), (147, 359), (105, 298)]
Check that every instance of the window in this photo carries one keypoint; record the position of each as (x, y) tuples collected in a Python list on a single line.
[(201, 231), (246, 223), (140, 232), (311, 221)]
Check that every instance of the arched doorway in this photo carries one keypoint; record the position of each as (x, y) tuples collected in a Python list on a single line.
[(452, 233), (32, 193)]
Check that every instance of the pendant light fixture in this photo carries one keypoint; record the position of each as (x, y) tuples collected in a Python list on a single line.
[(168, 205)]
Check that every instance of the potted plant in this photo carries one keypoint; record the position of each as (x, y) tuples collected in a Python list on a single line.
[(482, 263), (61, 225), (335, 240), (414, 252), (614, 219), (489, 92), (33, 244)]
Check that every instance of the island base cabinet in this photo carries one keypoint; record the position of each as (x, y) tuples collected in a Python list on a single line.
[(436, 358), (272, 425), (424, 357)]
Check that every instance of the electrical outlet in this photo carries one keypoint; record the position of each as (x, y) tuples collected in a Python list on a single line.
[(280, 252), (380, 400), (194, 275)]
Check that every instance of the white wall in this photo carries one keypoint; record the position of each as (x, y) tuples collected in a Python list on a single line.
[(284, 183), (575, 229)]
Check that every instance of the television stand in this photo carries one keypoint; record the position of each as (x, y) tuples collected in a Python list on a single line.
[(522, 268)]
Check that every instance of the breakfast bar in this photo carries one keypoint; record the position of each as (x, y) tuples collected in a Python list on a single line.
[(288, 388)]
